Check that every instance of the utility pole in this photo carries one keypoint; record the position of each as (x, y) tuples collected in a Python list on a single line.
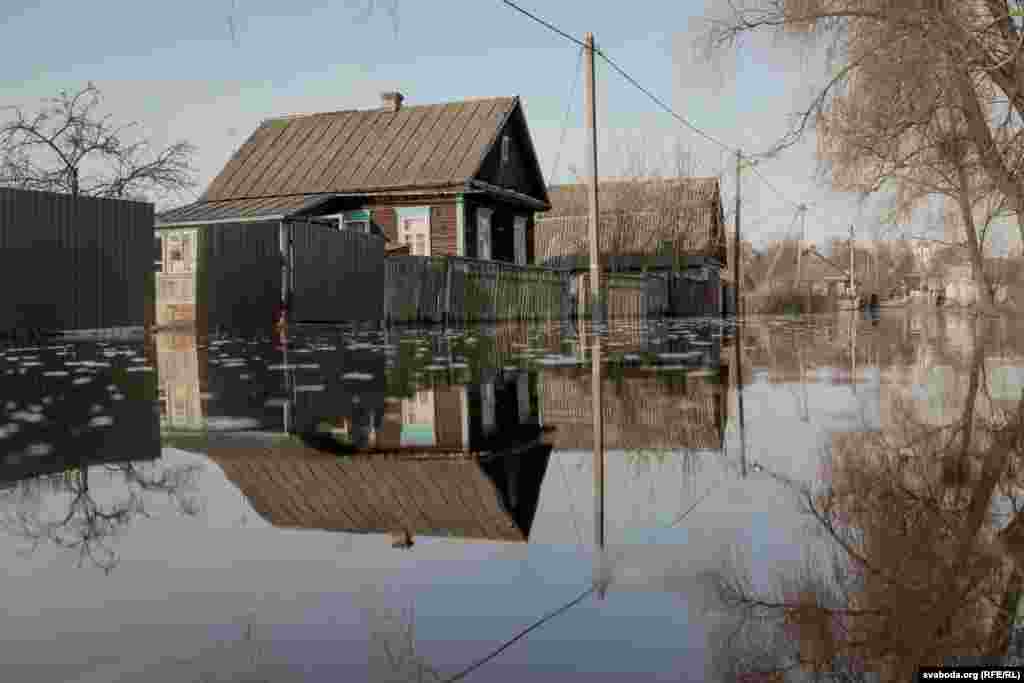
[(853, 291), (590, 114), (800, 245), (736, 240)]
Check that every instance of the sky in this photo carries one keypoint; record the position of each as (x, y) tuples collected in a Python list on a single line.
[(208, 71)]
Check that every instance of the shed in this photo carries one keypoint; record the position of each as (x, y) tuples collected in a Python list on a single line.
[(660, 223)]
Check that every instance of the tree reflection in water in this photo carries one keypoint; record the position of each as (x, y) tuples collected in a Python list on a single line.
[(69, 511), (920, 554)]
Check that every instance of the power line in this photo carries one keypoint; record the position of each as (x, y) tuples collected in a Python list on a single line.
[(522, 634), (545, 23), (654, 98)]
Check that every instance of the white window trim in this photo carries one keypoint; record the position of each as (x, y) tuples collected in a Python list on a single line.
[(519, 224), (175, 236), (483, 218)]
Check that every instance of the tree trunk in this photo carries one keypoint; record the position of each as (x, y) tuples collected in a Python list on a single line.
[(973, 246)]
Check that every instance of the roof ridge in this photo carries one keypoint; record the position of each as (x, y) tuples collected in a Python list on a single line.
[(283, 117)]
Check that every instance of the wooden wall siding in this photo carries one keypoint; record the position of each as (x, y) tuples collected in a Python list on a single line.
[(370, 494), (640, 411), (386, 218), (518, 174), (74, 264), (560, 241), (444, 230), (338, 275), (428, 289), (448, 416), (626, 295)]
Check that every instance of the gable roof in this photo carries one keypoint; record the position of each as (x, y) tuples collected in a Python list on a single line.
[(451, 497), (633, 194), (425, 146), (637, 215), (359, 152)]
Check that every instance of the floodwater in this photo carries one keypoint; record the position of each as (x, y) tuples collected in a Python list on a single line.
[(354, 504)]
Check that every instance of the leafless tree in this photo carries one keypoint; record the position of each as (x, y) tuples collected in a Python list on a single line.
[(919, 567), (89, 522), (68, 146), (936, 76)]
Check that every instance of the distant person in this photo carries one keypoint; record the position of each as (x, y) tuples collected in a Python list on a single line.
[(874, 301)]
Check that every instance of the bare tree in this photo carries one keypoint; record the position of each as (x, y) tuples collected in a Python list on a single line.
[(67, 146), (88, 522), (918, 567), (908, 67)]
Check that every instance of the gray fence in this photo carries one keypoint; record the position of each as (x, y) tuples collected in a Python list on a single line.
[(73, 263), (335, 276), (338, 275)]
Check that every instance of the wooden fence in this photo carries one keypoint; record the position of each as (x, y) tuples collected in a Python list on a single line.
[(627, 295), (428, 288), (71, 263)]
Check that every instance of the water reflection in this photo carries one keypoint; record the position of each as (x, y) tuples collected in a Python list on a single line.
[(915, 560), (867, 469)]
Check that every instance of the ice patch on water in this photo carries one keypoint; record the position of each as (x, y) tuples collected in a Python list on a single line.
[(38, 450), (82, 380), (56, 373), (359, 376), (25, 416), (101, 421)]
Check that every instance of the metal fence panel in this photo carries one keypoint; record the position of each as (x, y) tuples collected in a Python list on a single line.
[(70, 263), (339, 274)]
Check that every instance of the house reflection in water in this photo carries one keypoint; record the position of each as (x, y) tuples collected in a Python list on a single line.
[(462, 461), (643, 409), (488, 498)]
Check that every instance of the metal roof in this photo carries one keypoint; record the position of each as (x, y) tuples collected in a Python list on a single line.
[(426, 146), (239, 210), (370, 494)]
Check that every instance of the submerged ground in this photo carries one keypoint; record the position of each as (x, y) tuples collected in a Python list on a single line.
[(425, 504)]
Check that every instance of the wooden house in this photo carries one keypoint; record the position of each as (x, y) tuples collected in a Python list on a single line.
[(642, 410), (671, 225), (455, 179), (654, 223)]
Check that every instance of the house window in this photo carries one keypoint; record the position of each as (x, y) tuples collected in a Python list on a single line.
[(505, 152), (483, 234), (519, 225), (179, 253), (358, 221), (415, 231)]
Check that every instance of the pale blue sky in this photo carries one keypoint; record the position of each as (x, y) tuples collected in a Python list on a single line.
[(173, 67)]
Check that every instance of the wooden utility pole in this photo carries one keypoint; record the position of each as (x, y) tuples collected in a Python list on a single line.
[(590, 114), (736, 241), (800, 244), (853, 292)]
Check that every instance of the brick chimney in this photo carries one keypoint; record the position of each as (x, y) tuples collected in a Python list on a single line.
[(392, 101)]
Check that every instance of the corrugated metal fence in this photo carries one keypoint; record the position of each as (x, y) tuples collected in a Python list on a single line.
[(338, 274), (71, 263)]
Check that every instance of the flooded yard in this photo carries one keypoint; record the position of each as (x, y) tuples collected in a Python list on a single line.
[(825, 493)]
